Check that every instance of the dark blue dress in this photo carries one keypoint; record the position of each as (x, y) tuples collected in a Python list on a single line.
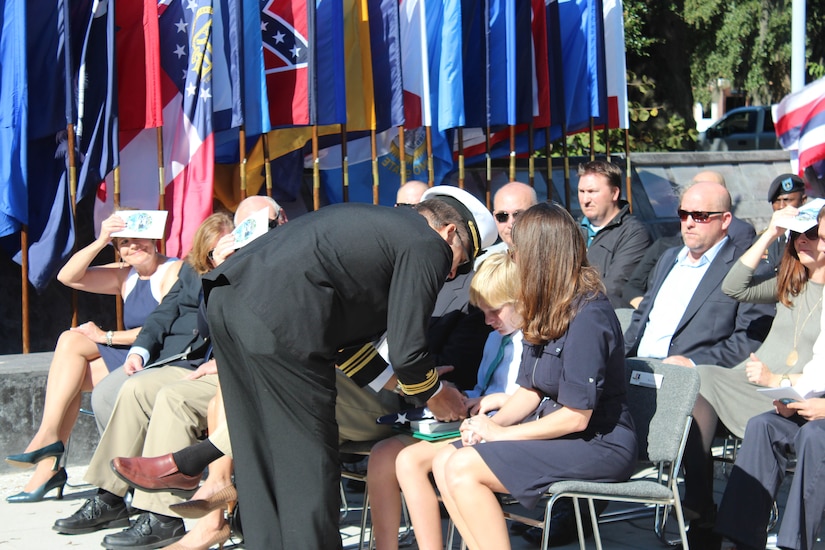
[(584, 369), (139, 303)]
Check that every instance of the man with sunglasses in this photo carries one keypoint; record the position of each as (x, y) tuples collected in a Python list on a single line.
[(616, 240), (684, 317), (509, 201)]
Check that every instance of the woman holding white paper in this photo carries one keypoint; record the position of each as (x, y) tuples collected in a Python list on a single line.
[(86, 354), (730, 394)]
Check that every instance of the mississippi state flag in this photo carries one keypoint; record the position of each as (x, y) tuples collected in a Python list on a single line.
[(285, 33)]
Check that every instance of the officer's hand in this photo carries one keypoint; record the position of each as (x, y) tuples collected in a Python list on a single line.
[(448, 404)]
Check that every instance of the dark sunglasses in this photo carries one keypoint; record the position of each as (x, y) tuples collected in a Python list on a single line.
[(698, 217), (811, 234), (502, 217)]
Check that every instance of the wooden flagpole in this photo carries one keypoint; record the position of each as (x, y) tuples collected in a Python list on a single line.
[(344, 162), (566, 155), (316, 172), (161, 179), (428, 131), (592, 139), (402, 154), (73, 201), (489, 159), (374, 158), (548, 151), (512, 153), (267, 167), (531, 160), (242, 157), (628, 177), (116, 201), (461, 157), (24, 291)]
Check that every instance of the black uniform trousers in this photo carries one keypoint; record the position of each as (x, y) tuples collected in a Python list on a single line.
[(770, 441), (281, 417)]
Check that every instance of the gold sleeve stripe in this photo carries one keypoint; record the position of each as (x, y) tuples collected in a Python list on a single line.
[(429, 383), (359, 360)]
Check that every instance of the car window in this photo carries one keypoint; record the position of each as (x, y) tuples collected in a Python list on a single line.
[(736, 123), (768, 125)]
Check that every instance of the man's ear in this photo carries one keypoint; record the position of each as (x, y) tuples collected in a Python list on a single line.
[(727, 217), (447, 232)]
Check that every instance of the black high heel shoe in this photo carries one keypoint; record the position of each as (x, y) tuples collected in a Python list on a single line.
[(27, 460), (57, 481)]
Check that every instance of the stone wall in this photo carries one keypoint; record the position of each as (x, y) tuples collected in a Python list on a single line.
[(22, 389)]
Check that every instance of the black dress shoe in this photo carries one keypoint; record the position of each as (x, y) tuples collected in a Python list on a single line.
[(701, 534), (146, 533), (93, 516)]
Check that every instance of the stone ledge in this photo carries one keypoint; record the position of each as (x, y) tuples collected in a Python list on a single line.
[(22, 390)]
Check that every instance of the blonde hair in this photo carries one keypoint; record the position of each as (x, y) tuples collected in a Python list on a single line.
[(209, 231), (496, 282)]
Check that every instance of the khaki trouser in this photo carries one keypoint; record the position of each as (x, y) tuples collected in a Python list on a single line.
[(157, 412), (355, 411)]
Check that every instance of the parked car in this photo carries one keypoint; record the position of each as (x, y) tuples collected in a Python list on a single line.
[(741, 129)]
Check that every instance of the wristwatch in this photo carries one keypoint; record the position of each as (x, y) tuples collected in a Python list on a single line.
[(785, 382), (109, 335)]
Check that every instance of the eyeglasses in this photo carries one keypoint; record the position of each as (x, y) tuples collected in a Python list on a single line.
[(502, 217), (698, 217), (211, 255)]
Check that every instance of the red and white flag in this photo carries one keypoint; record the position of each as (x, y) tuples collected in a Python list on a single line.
[(615, 64), (799, 120)]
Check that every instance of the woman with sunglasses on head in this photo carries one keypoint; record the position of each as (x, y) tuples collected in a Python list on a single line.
[(729, 394), (569, 418), (86, 354)]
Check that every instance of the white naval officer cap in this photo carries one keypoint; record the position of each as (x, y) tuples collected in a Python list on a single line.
[(479, 220)]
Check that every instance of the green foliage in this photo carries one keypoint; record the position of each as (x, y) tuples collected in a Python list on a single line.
[(637, 41), (652, 127), (747, 43)]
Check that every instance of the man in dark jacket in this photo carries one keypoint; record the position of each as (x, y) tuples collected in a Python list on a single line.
[(281, 308), (616, 241), (684, 317)]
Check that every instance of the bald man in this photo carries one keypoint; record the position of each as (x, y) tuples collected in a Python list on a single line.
[(410, 193), (684, 317), (740, 232)]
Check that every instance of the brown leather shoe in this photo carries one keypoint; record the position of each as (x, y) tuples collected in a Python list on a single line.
[(154, 474)]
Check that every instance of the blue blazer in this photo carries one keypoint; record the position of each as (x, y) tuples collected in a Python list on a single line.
[(715, 329)]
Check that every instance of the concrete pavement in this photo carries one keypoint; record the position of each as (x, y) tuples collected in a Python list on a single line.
[(29, 526)]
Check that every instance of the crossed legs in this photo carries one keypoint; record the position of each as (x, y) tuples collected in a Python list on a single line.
[(76, 367)]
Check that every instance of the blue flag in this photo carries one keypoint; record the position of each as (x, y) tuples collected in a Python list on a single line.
[(329, 82), (385, 46), (448, 49), (573, 51), (510, 65), (474, 54), (97, 124), (13, 116), (50, 225)]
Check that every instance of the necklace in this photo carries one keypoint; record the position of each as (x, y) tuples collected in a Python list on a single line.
[(793, 356)]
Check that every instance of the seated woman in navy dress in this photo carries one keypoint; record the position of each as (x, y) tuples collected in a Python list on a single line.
[(84, 355), (569, 419)]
